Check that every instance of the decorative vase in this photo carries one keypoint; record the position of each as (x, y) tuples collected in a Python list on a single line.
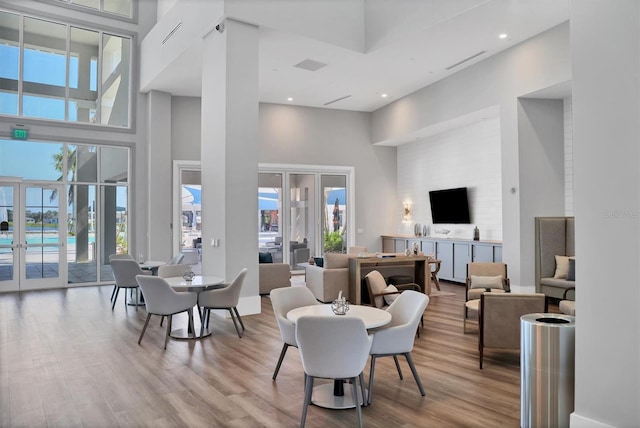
[(189, 275)]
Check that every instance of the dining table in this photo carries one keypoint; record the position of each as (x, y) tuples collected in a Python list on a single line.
[(198, 284), (335, 396)]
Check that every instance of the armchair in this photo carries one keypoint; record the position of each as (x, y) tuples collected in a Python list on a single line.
[(568, 306), (499, 318), (483, 277)]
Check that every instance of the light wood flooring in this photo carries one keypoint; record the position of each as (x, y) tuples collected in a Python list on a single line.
[(67, 360)]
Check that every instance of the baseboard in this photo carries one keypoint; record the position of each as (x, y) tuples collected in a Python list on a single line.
[(577, 421)]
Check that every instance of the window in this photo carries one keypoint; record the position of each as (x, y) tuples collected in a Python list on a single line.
[(122, 8), (63, 72)]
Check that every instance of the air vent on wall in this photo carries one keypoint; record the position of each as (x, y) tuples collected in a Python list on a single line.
[(465, 60), (310, 65), (337, 99)]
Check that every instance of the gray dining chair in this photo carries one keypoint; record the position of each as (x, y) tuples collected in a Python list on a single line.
[(124, 272), (161, 299), (177, 259), (115, 257), (283, 300), (223, 298)]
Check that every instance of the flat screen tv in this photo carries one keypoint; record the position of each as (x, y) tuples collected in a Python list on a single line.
[(450, 206)]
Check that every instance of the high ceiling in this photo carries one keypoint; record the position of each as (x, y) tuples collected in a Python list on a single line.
[(418, 43)]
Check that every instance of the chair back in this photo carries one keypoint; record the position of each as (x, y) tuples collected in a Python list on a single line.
[(486, 276), (486, 269), (177, 259), (170, 270), (500, 317), (120, 256), (376, 285), (285, 299), (398, 336), (356, 250), (160, 298), (125, 271), (227, 297), (332, 347)]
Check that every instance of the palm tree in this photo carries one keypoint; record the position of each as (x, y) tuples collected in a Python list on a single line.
[(58, 163)]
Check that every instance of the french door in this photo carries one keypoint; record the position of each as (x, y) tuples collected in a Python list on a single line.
[(32, 236)]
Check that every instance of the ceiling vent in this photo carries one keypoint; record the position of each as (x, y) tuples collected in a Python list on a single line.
[(337, 99), (465, 60), (310, 65)]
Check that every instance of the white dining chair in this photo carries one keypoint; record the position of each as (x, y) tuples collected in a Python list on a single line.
[(397, 337), (172, 270), (161, 299), (124, 273), (223, 298), (177, 259), (283, 300), (115, 257), (333, 348)]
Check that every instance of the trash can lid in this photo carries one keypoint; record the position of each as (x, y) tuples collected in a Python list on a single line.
[(548, 319)]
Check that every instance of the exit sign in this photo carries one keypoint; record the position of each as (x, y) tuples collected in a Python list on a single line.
[(20, 133)]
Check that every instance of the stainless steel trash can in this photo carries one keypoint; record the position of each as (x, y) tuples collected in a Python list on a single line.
[(547, 366)]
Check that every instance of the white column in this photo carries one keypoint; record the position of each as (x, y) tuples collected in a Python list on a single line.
[(605, 50), (229, 156)]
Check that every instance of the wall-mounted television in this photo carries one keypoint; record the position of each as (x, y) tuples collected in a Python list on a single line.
[(450, 206)]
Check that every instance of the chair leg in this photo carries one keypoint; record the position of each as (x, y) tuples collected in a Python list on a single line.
[(202, 323), (113, 292), (395, 360), (115, 298), (144, 328), (161, 320), (354, 393), (235, 308), (191, 326), (371, 370), (308, 389), (407, 355), (234, 322), (363, 391), (137, 289), (166, 338), (284, 351)]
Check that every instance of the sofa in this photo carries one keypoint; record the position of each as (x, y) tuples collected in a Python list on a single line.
[(326, 282), (273, 275), (554, 246)]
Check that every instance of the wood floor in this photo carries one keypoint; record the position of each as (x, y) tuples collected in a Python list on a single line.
[(67, 360)]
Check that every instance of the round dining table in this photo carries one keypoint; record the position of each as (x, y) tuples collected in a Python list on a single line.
[(198, 284), (335, 396)]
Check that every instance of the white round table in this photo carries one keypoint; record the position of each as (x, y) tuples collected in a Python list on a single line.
[(335, 396), (198, 284)]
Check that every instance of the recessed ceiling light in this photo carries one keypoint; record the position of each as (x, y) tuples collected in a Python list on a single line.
[(289, 99), (503, 36), (383, 95)]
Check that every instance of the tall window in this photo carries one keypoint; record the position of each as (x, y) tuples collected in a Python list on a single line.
[(55, 71), (122, 8)]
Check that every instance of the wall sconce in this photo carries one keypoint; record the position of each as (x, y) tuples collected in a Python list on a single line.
[(407, 212)]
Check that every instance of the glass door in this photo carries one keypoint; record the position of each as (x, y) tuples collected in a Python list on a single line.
[(302, 218), (9, 242), (32, 240)]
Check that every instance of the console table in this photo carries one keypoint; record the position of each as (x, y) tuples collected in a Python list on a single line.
[(421, 276)]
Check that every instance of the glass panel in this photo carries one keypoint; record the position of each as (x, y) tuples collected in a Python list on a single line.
[(42, 220), (83, 75), (334, 214), (6, 233), (114, 105), (81, 248), (44, 69), (30, 160), (302, 219), (119, 7), (114, 164), (113, 225), (269, 206), (93, 4), (82, 164), (191, 216), (9, 63)]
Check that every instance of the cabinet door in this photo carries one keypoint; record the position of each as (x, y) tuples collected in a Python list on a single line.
[(401, 245), (497, 253), (388, 245), (444, 252), (428, 247), (483, 253), (461, 256)]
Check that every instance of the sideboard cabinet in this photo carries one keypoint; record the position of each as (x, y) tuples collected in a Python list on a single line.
[(453, 253)]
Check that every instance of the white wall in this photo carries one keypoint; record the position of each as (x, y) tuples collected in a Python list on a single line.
[(605, 49), (464, 157), (568, 156), (540, 62)]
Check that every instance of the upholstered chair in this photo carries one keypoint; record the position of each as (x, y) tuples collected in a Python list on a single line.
[(483, 277), (124, 272), (114, 257), (567, 306), (223, 298)]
